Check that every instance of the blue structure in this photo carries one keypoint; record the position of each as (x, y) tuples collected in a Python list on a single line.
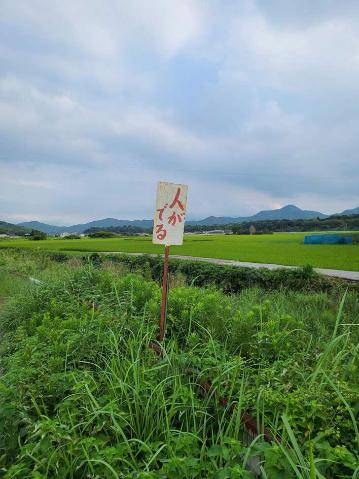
[(328, 239)]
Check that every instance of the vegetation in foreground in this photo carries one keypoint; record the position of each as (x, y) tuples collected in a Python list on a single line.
[(281, 248), (82, 395)]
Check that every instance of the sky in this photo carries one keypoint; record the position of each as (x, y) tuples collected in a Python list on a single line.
[(253, 104)]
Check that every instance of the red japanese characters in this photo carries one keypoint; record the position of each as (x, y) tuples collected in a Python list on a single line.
[(170, 213)]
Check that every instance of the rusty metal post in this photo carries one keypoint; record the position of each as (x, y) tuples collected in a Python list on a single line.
[(164, 295)]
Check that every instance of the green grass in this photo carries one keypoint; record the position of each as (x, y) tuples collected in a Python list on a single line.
[(82, 395), (9, 285), (281, 248)]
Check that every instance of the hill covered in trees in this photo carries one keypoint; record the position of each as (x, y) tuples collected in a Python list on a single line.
[(335, 222), (10, 229)]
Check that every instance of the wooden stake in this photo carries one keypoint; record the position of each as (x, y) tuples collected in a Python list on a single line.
[(164, 295)]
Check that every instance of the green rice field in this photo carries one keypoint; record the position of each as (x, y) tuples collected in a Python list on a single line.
[(280, 248)]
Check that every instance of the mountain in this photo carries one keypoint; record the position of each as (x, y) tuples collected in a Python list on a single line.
[(214, 220), (80, 228), (10, 229), (105, 223), (288, 212), (353, 211), (48, 229)]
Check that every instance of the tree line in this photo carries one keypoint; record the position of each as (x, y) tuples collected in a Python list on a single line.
[(270, 226)]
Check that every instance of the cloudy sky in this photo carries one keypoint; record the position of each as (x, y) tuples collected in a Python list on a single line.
[(253, 104)]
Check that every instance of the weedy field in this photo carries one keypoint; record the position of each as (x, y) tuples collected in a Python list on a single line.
[(83, 396), (279, 248)]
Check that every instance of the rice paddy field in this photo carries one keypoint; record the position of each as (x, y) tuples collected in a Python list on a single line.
[(261, 384), (279, 248)]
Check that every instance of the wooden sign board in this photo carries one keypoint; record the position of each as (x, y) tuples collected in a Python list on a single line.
[(171, 203)]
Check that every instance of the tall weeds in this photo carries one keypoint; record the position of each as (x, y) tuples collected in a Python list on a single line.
[(82, 394)]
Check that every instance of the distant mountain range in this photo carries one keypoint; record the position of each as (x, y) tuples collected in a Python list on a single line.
[(290, 212), (80, 228), (353, 211), (9, 228)]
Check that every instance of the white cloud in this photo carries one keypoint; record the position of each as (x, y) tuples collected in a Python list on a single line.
[(154, 128), (59, 122), (96, 101), (104, 29), (288, 58), (168, 26)]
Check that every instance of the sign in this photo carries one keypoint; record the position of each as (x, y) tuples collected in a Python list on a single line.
[(168, 224)]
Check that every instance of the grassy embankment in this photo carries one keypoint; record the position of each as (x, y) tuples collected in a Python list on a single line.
[(283, 248), (82, 395)]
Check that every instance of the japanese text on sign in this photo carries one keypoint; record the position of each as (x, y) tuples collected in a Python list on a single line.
[(170, 213)]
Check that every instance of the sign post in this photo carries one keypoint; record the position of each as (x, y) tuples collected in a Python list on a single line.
[(164, 295), (168, 228)]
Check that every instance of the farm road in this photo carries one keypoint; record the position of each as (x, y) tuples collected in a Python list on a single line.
[(337, 273)]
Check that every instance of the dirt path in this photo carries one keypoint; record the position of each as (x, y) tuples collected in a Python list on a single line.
[(337, 273)]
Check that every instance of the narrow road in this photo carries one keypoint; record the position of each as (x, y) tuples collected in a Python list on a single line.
[(336, 273)]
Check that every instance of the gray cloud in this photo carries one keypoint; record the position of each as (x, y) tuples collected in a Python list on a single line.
[(253, 104)]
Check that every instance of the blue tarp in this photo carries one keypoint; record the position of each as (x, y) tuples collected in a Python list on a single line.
[(328, 239)]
